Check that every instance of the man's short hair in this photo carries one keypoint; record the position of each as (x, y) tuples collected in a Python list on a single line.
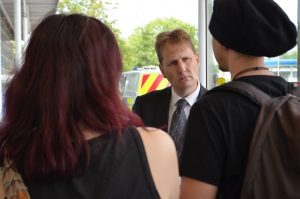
[(175, 36)]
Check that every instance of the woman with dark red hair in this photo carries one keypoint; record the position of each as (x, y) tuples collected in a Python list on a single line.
[(65, 127)]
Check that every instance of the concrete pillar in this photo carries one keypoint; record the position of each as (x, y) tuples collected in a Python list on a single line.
[(298, 40), (25, 21), (17, 21), (1, 94), (202, 36)]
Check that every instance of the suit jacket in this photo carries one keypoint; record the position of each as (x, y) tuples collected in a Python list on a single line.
[(153, 107)]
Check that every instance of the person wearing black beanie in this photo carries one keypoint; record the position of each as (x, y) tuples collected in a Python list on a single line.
[(221, 123)]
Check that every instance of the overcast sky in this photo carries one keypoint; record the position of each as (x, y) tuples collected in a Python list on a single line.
[(290, 7), (133, 13)]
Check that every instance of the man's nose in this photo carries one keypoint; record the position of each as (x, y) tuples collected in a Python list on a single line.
[(181, 66)]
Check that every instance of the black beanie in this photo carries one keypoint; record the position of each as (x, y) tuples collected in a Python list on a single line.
[(252, 27)]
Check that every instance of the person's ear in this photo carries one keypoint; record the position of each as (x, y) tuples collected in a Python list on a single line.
[(223, 47)]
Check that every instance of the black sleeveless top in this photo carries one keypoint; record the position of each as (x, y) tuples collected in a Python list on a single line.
[(118, 169)]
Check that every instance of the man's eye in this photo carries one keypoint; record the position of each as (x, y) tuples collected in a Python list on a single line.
[(172, 63), (186, 59)]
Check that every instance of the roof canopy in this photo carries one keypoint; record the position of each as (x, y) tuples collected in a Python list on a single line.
[(36, 9)]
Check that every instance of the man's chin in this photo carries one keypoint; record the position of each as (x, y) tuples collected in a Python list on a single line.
[(188, 85), (186, 81)]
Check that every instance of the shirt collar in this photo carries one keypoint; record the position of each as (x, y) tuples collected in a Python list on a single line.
[(191, 99)]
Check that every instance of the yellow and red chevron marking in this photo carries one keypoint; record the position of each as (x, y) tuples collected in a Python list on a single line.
[(151, 82)]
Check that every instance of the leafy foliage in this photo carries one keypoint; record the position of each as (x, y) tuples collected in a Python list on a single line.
[(140, 48), (95, 8)]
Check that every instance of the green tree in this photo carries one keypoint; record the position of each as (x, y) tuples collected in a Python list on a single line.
[(140, 45), (95, 8)]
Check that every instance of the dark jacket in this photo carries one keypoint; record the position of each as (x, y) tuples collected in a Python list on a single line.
[(153, 107)]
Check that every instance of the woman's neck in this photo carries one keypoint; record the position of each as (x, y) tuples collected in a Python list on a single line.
[(88, 133)]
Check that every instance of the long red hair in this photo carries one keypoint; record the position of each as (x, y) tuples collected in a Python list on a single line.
[(70, 75)]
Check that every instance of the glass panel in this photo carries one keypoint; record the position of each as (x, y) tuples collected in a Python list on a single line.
[(129, 84), (7, 56), (215, 77)]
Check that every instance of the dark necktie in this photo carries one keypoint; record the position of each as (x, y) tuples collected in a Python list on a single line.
[(177, 125)]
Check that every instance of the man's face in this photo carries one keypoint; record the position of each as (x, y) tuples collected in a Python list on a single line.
[(219, 52), (180, 65)]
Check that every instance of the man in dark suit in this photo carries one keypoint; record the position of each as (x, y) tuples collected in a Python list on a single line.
[(179, 63)]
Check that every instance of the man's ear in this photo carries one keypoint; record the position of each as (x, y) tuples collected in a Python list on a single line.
[(223, 47), (161, 70)]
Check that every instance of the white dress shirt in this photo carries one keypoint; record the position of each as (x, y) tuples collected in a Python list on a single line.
[(191, 99)]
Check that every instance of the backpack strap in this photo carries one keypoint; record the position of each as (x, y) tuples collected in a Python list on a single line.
[(276, 133), (246, 89)]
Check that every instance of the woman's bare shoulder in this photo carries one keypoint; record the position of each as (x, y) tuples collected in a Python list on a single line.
[(162, 158), (151, 134)]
